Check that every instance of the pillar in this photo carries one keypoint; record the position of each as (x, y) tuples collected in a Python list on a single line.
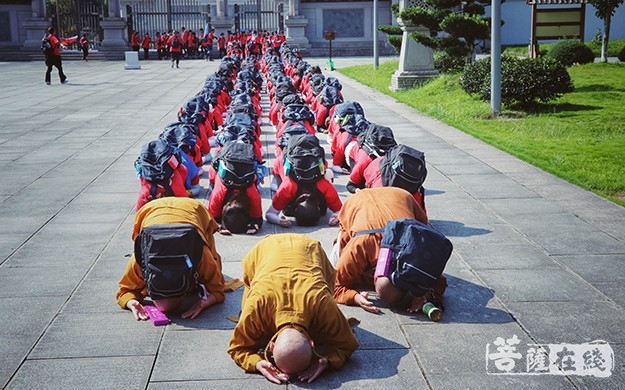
[(416, 62)]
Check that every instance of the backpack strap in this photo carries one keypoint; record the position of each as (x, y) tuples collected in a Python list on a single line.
[(367, 231)]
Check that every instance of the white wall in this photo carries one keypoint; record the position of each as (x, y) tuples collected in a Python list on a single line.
[(517, 27)]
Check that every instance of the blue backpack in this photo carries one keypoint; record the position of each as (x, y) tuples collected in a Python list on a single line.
[(419, 254)]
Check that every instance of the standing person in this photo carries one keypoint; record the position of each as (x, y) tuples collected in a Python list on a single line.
[(175, 48), (210, 39), (165, 44), (53, 55), (287, 310), (135, 44), (185, 36), (158, 45), (84, 45), (145, 44), (221, 43)]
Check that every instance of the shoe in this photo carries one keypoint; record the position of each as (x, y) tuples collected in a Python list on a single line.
[(65, 81), (177, 66), (172, 64), (47, 82)]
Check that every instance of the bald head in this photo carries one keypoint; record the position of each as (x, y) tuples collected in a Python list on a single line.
[(387, 291), (292, 351)]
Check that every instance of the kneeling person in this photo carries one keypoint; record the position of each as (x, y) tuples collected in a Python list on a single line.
[(287, 308), (357, 249), (174, 255)]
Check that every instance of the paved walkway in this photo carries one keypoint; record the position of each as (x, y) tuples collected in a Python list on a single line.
[(536, 259)]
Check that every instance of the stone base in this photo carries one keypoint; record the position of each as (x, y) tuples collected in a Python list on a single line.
[(114, 35), (296, 31), (222, 25), (35, 28), (406, 80)]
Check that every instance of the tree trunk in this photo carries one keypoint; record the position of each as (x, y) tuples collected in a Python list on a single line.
[(606, 38)]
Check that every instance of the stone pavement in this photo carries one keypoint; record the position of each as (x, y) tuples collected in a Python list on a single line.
[(535, 257)]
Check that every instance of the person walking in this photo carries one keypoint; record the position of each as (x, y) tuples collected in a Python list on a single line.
[(53, 55), (175, 48), (84, 46)]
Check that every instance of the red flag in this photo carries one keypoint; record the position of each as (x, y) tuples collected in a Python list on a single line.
[(69, 41)]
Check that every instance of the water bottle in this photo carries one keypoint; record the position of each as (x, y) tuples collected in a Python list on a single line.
[(433, 312)]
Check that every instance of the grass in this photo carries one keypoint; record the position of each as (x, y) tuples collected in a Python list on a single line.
[(579, 137), (614, 46)]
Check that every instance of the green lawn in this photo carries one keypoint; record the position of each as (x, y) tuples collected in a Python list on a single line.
[(579, 137)]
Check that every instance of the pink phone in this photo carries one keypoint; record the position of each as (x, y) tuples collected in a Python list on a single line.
[(384, 262), (158, 317)]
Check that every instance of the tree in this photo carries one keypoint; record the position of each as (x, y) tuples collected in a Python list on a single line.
[(604, 10), (455, 25)]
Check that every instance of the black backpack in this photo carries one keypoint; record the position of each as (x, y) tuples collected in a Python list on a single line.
[(46, 46), (181, 135), (376, 140), (169, 256), (156, 164), (245, 108), (289, 132), (284, 89), (348, 109), (304, 159), (175, 43), (418, 254), (403, 167), (298, 112), (330, 96), (236, 164)]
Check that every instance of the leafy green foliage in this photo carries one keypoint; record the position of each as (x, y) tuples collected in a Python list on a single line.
[(391, 30), (571, 52), (523, 81), (621, 55), (446, 63), (454, 26)]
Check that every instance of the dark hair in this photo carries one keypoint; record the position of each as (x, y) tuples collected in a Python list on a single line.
[(235, 215), (51, 30), (306, 210)]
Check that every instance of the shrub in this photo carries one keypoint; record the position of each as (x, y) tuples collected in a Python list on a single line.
[(523, 81), (395, 41), (621, 54), (571, 52), (446, 63), (393, 35)]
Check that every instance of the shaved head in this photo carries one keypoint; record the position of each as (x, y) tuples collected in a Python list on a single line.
[(387, 291), (292, 351)]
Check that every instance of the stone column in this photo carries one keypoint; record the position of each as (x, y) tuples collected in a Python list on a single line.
[(416, 62), (295, 26), (36, 26), (222, 22), (114, 29)]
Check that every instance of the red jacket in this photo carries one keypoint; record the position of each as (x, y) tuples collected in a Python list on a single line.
[(362, 161), (287, 192), (170, 42), (176, 183), (145, 43), (339, 143), (218, 199), (134, 40), (373, 179)]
